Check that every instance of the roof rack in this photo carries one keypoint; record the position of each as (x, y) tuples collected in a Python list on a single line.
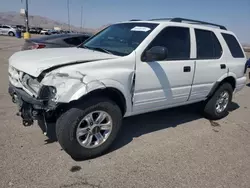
[(135, 20), (190, 21)]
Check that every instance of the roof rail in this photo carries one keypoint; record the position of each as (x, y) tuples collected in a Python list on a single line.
[(135, 20), (191, 22)]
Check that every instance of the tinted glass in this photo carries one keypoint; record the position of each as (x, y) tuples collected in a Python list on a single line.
[(121, 39), (73, 41), (83, 38), (176, 40), (6, 27), (233, 45), (208, 46)]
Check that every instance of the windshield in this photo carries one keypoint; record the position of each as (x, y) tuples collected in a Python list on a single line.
[(120, 39)]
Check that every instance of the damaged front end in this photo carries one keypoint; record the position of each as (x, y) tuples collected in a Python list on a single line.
[(31, 108), (45, 97)]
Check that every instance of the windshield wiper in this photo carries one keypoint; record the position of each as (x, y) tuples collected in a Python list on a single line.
[(97, 49), (103, 50)]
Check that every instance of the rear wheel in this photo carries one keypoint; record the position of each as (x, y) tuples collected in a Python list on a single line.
[(12, 34), (217, 106), (88, 130)]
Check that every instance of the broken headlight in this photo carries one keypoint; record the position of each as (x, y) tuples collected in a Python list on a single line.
[(47, 92), (31, 84), (34, 85), (38, 90)]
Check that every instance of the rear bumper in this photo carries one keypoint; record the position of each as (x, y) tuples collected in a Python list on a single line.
[(240, 83)]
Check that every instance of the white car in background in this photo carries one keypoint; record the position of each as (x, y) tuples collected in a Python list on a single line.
[(8, 30), (45, 32)]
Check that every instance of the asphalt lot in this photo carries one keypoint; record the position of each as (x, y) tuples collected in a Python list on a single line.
[(170, 148)]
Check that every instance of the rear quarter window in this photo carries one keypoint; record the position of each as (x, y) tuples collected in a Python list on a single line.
[(233, 45), (208, 45)]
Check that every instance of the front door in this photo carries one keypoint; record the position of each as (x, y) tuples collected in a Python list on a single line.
[(160, 84)]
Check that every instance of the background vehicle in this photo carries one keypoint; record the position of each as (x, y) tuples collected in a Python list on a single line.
[(45, 32), (35, 30), (55, 41), (21, 28), (53, 32), (127, 69), (32, 30), (8, 30)]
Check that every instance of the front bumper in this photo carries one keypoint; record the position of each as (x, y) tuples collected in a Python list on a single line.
[(30, 108)]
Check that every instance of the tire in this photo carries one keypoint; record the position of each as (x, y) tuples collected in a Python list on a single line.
[(210, 111), (11, 34), (67, 123)]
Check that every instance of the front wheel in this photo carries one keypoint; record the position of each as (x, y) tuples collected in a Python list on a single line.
[(88, 130), (217, 106), (11, 34)]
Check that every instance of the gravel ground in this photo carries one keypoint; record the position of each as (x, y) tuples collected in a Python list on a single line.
[(170, 148)]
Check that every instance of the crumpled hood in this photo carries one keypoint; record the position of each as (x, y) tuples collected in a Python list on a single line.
[(34, 62)]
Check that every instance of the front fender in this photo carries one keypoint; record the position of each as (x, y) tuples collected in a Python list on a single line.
[(74, 85), (71, 88), (101, 84)]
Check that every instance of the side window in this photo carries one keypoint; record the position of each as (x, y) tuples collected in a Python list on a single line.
[(83, 38), (208, 46), (176, 40), (6, 27), (233, 45), (73, 41)]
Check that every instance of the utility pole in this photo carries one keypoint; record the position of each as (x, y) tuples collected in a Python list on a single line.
[(81, 17), (68, 15), (27, 16)]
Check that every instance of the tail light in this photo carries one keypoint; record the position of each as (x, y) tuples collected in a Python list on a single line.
[(37, 46)]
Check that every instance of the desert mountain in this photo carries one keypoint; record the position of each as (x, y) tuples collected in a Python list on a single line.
[(14, 18)]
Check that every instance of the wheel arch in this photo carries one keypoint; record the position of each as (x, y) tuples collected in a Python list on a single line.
[(109, 92), (229, 79), (11, 32)]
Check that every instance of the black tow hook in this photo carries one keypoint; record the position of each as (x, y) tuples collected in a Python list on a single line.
[(27, 123)]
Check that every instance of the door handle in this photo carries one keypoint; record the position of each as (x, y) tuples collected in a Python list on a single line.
[(223, 66), (186, 69)]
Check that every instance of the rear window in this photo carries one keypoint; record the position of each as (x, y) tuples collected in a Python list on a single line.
[(233, 46), (208, 46)]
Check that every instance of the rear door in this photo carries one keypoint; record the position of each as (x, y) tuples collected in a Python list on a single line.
[(211, 63)]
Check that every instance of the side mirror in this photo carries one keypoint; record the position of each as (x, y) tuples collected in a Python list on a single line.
[(156, 53)]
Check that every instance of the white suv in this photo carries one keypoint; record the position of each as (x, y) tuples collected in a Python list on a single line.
[(126, 69)]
